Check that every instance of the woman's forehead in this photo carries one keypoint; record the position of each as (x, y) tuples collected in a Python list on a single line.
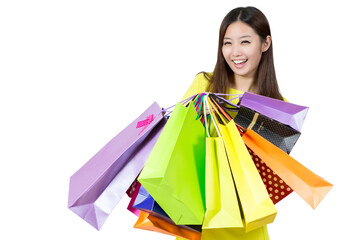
[(239, 29)]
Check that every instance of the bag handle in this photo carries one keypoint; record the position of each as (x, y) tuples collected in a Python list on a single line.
[(199, 104), (166, 112), (224, 113), (206, 106), (233, 108), (216, 111), (207, 127), (215, 116), (240, 128)]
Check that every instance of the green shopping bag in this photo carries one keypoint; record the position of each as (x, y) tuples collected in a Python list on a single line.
[(174, 173)]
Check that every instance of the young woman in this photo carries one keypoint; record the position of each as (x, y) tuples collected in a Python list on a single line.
[(245, 57)]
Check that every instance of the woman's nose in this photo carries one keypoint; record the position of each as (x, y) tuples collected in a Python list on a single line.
[(237, 51)]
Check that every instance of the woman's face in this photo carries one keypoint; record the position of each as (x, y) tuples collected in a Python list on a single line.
[(242, 49)]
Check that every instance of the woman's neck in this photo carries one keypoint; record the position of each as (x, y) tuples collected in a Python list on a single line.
[(245, 84)]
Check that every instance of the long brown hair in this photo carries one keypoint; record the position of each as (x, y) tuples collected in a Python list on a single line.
[(265, 83)]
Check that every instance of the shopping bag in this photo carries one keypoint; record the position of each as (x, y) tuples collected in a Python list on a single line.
[(174, 172), (133, 194), (149, 222), (309, 186), (257, 208), (132, 189), (256, 204), (281, 135), (146, 203), (275, 185), (281, 111), (222, 206), (98, 186)]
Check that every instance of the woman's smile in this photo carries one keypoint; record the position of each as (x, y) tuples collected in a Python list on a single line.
[(239, 63)]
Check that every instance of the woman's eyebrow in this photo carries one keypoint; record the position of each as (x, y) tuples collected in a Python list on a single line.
[(245, 36)]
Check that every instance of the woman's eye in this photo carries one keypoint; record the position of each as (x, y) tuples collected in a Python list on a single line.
[(227, 43), (245, 42)]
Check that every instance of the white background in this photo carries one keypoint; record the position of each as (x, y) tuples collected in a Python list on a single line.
[(75, 73)]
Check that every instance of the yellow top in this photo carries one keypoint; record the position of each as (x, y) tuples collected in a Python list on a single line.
[(200, 84)]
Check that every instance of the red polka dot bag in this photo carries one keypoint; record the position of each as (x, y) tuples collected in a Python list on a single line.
[(275, 186)]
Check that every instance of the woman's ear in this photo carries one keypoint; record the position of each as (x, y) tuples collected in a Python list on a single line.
[(266, 44)]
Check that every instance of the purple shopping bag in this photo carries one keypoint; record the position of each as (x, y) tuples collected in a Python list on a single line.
[(98, 186), (287, 113)]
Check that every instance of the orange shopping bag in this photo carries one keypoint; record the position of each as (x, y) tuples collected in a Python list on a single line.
[(309, 186), (149, 222)]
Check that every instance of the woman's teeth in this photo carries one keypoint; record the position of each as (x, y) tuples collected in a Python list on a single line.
[(239, 61)]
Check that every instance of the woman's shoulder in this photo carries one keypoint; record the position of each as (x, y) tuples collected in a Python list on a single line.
[(199, 84), (203, 76), (201, 80)]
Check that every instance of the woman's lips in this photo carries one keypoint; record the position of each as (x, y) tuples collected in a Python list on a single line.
[(239, 63)]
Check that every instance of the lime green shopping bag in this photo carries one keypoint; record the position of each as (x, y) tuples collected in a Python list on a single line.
[(174, 173)]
